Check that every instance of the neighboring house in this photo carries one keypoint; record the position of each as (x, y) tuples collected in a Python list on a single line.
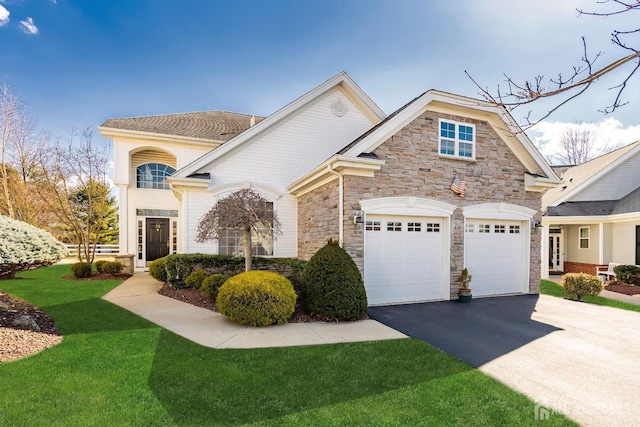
[(334, 166), (593, 218)]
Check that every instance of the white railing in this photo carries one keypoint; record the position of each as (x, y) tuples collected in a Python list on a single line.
[(104, 250)]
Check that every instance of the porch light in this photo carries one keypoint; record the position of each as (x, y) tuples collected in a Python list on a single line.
[(358, 219), (537, 225)]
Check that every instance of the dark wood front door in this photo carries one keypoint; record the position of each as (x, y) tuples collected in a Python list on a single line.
[(637, 244), (157, 238)]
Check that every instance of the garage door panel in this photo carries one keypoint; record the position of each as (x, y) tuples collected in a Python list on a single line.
[(403, 261), (494, 256)]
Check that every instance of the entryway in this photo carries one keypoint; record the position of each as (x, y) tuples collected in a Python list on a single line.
[(157, 241)]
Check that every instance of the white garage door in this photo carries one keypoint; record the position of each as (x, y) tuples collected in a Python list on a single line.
[(403, 258), (494, 256)]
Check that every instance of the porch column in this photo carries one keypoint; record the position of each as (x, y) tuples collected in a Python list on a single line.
[(601, 243), (544, 272), (123, 219)]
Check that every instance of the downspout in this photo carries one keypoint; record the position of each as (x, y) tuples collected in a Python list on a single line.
[(340, 204)]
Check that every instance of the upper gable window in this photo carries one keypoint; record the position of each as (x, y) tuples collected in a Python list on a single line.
[(153, 175), (457, 139)]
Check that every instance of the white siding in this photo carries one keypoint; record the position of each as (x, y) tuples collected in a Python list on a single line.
[(282, 155), (573, 252), (199, 203), (624, 234), (615, 184)]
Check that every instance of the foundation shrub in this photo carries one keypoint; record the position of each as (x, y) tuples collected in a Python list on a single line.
[(195, 279), (100, 265), (581, 284), (332, 285), (157, 269), (211, 285), (112, 267), (625, 273), (257, 298)]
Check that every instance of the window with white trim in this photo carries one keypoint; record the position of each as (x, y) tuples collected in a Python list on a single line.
[(457, 139), (154, 176), (583, 233), (231, 241)]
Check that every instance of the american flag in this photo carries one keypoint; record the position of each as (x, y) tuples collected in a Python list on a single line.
[(458, 186)]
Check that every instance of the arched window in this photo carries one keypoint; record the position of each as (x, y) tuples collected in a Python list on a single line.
[(153, 175)]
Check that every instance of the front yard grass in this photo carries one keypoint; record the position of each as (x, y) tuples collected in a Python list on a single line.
[(548, 287), (114, 368)]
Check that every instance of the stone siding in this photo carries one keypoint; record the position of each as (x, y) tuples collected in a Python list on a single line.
[(414, 168), (317, 219)]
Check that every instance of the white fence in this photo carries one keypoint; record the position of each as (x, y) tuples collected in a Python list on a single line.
[(101, 250)]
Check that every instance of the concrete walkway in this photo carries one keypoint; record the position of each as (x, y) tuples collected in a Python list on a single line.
[(205, 327)]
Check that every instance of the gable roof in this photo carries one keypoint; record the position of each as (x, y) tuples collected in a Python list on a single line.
[(434, 100), (577, 178), (342, 79), (214, 126)]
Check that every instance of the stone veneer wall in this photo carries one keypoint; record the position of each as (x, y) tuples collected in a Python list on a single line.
[(317, 219), (413, 168)]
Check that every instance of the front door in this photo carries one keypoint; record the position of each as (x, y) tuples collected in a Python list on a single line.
[(157, 238), (556, 261), (637, 244)]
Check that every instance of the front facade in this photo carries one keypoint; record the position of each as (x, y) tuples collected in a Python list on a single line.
[(593, 218), (444, 183)]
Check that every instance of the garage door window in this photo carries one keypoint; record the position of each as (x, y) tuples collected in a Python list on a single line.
[(394, 226), (484, 228), (470, 228), (372, 226), (414, 226), (499, 229), (514, 229), (433, 227)]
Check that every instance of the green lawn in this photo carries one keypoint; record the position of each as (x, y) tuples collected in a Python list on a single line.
[(548, 287), (114, 368)]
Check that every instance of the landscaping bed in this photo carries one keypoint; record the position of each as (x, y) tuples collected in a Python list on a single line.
[(193, 297), (24, 329), (623, 288)]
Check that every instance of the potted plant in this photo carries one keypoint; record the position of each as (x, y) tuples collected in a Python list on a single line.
[(464, 293)]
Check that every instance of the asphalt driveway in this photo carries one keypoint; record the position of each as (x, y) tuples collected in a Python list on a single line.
[(577, 358)]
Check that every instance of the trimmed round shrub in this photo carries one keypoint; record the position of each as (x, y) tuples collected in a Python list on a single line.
[(257, 298), (625, 272), (81, 270), (195, 279), (112, 267), (211, 285), (581, 284), (25, 247), (332, 285), (99, 265), (157, 270)]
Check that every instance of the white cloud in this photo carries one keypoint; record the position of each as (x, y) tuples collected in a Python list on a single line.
[(607, 133), (4, 16), (28, 26)]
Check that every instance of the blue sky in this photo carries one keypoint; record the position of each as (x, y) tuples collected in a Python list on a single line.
[(78, 63)]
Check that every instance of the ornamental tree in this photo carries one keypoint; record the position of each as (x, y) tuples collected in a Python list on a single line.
[(25, 247)]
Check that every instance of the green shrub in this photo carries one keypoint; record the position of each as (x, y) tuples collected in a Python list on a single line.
[(581, 284), (81, 269), (179, 266), (211, 285), (112, 267), (624, 272), (195, 279), (257, 298), (157, 269), (332, 285), (634, 279), (99, 265)]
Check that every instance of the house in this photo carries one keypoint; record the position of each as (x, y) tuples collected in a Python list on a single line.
[(593, 218), (333, 165)]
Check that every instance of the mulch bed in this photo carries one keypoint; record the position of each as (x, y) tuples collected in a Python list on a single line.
[(623, 288), (12, 308), (193, 297), (100, 276)]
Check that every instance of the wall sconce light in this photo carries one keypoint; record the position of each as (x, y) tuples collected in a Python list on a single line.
[(537, 225), (358, 219)]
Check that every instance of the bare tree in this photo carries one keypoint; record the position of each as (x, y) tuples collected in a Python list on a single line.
[(580, 78), (72, 183), (245, 211)]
